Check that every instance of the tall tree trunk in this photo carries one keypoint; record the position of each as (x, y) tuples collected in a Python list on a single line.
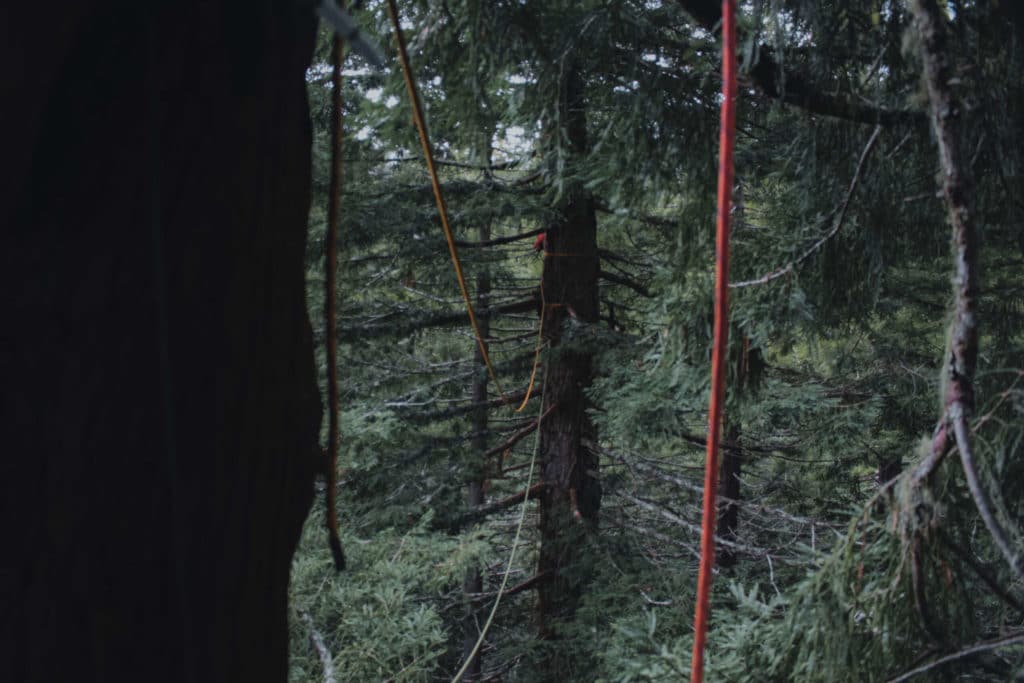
[(473, 585), (732, 455), (156, 354), (571, 496)]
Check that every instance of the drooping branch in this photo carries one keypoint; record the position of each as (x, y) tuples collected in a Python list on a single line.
[(795, 89), (963, 337), (637, 287)]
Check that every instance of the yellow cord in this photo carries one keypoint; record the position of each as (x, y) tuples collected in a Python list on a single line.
[(512, 553)]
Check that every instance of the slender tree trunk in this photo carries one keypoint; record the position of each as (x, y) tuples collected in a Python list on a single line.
[(571, 496), (473, 585), (731, 468), (729, 489)]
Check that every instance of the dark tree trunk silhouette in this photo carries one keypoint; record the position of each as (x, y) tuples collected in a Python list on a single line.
[(571, 497), (729, 489), (156, 353)]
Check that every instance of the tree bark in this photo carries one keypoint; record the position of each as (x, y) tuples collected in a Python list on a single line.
[(161, 415), (473, 585), (571, 497)]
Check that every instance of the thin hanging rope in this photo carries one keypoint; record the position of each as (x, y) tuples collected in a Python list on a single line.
[(442, 210), (536, 352), (330, 313), (515, 542), (720, 348)]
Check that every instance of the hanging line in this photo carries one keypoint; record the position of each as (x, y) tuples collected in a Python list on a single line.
[(330, 313), (537, 350), (515, 544), (720, 343), (442, 210)]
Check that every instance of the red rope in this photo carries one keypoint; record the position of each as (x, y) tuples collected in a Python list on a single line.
[(721, 338)]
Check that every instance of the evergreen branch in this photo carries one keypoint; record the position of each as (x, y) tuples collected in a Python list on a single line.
[(983, 573), (789, 267), (529, 583), (625, 282), (693, 528), (498, 240), (795, 89), (693, 486), (981, 497), (447, 319), (497, 506), (974, 649), (521, 434), (500, 166), (639, 217), (612, 256), (456, 411)]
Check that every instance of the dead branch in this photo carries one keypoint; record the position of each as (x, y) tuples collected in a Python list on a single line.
[(983, 646), (326, 661)]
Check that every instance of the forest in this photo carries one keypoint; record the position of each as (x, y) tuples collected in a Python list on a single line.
[(385, 354), (577, 145)]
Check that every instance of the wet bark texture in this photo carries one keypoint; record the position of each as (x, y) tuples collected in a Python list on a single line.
[(571, 496), (157, 355)]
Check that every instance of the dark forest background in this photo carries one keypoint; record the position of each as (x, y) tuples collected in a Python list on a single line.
[(164, 437)]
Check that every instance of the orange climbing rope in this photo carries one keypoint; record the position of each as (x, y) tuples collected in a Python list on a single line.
[(421, 127), (718, 377)]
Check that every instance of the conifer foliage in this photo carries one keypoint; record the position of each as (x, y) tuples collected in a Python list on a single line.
[(870, 515)]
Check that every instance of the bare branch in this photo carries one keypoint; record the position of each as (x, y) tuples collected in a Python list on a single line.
[(789, 267), (983, 646)]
